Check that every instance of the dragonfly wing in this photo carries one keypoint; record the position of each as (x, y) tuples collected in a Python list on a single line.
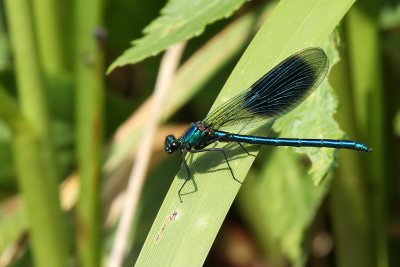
[(276, 93)]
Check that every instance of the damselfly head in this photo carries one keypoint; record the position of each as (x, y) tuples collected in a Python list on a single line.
[(171, 144)]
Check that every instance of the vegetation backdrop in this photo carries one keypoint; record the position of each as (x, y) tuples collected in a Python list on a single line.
[(90, 89)]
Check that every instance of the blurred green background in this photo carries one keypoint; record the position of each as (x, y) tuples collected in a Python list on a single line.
[(69, 133)]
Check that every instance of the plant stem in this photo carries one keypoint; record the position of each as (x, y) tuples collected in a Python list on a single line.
[(36, 162), (50, 46), (349, 202), (89, 99), (366, 77)]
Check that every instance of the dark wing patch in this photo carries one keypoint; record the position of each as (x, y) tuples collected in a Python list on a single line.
[(276, 93)]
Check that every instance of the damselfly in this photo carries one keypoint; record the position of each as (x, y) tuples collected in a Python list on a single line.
[(277, 92)]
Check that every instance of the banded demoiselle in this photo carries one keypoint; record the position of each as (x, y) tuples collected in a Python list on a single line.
[(274, 94)]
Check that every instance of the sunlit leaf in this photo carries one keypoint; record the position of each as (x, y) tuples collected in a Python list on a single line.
[(183, 233)]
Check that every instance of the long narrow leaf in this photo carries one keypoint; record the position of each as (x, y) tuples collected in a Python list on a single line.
[(183, 233)]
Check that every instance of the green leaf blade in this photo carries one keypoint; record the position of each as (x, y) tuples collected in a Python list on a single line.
[(208, 196)]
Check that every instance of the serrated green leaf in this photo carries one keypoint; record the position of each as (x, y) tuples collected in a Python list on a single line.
[(183, 233), (180, 20)]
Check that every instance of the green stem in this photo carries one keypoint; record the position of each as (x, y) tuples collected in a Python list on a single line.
[(350, 213), (49, 35), (89, 99), (31, 89), (366, 77), (36, 162), (40, 199)]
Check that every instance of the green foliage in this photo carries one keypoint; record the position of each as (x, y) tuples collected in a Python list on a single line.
[(179, 21), (209, 195), (280, 203), (65, 125)]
